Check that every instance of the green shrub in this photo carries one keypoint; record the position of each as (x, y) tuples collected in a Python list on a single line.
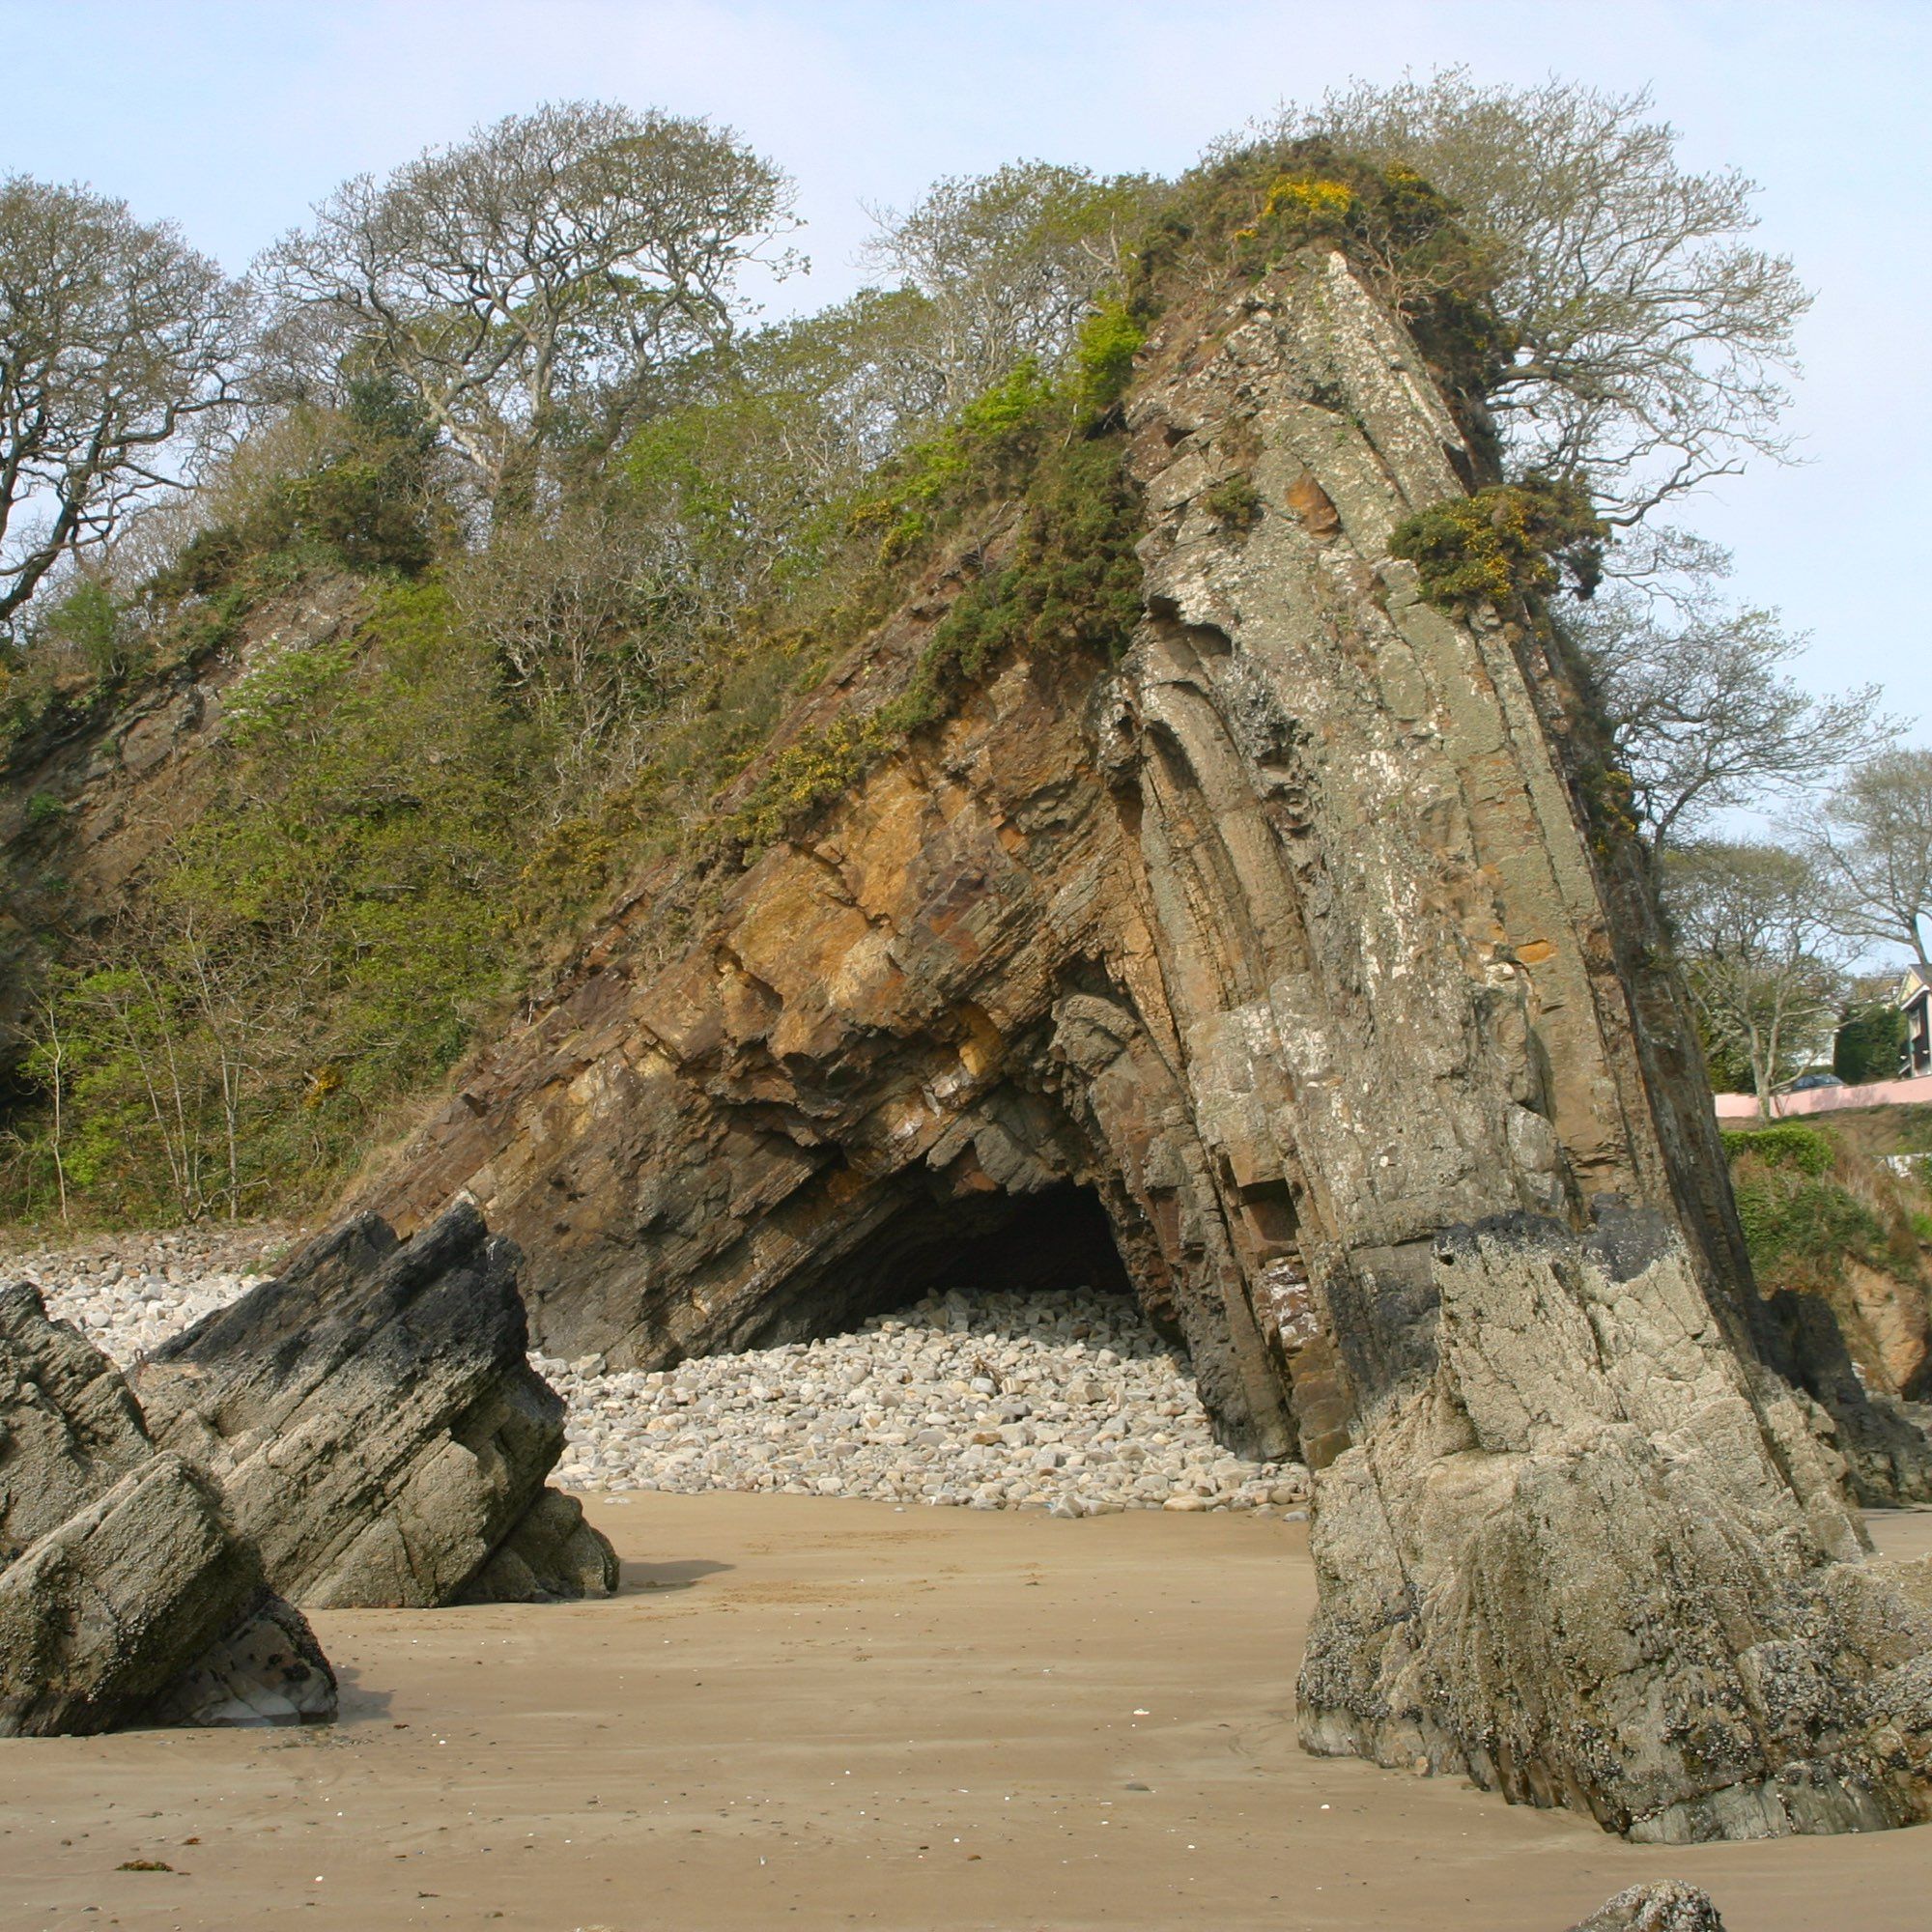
[(1804, 1150), (1249, 209), (1073, 582), (1504, 543), (1800, 1227), (1103, 355), (1235, 503)]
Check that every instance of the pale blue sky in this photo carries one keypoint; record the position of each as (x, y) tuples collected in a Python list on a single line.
[(233, 118)]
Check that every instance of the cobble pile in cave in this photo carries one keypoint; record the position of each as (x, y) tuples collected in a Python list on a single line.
[(1066, 1401)]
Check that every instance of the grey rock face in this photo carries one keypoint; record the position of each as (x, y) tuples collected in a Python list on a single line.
[(121, 1583), (1593, 1558), (1664, 1905), (550, 1553), (69, 1426), (372, 1421)]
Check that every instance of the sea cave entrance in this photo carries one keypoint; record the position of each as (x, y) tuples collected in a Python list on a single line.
[(1057, 1238)]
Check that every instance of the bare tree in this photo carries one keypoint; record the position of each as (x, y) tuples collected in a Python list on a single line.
[(48, 1065), (1651, 340), (509, 280), (115, 337), (594, 615), (1873, 845), (1702, 714), (1760, 962), (1007, 263)]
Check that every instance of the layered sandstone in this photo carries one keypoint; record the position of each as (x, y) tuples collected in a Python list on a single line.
[(125, 1597), (374, 1426), (1277, 968)]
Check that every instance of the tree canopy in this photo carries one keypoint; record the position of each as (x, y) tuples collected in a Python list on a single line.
[(519, 282), (1652, 341), (1759, 957), (114, 336), (1703, 713), (1872, 844)]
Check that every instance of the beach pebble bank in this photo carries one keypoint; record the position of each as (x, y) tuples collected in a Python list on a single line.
[(129, 1293), (1066, 1401)]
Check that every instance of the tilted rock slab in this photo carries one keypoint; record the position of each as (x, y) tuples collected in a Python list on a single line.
[(1264, 966), (126, 1598), (374, 1426)]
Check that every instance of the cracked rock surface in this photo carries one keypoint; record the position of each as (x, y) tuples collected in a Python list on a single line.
[(1660, 1905), (373, 1424), (125, 1597)]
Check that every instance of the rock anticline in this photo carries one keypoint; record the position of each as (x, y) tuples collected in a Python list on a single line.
[(1280, 967)]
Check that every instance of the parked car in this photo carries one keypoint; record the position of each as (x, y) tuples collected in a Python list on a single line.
[(1806, 1082)]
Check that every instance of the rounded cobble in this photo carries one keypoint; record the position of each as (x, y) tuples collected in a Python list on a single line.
[(1067, 1400)]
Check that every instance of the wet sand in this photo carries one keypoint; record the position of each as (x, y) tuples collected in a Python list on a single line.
[(812, 1712)]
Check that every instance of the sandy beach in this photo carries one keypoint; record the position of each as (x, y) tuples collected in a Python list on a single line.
[(814, 1713)]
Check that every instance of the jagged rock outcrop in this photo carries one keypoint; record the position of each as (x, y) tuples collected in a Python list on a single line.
[(1662, 1905), (374, 1428), (126, 1598), (1280, 967), (1883, 1433), (1595, 1558)]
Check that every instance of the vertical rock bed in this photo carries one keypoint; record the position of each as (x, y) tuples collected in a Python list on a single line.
[(1066, 1401)]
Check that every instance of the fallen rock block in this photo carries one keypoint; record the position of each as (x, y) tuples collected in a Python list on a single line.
[(552, 1552), (374, 1428), (1664, 1905), (121, 1586), (268, 1670)]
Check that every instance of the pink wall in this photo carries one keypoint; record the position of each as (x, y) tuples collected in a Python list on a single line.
[(1827, 1099)]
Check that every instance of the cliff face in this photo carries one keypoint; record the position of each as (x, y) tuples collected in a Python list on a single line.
[(1273, 967)]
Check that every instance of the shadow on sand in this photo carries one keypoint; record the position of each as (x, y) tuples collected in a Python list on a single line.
[(636, 1577)]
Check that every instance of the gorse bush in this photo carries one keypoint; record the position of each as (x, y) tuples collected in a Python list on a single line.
[(1505, 543), (1252, 206), (360, 496)]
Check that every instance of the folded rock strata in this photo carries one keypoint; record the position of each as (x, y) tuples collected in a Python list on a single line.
[(125, 1597), (1281, 968), (374, 1426)]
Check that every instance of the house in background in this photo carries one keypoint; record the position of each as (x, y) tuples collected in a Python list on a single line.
[(1914, 999)]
